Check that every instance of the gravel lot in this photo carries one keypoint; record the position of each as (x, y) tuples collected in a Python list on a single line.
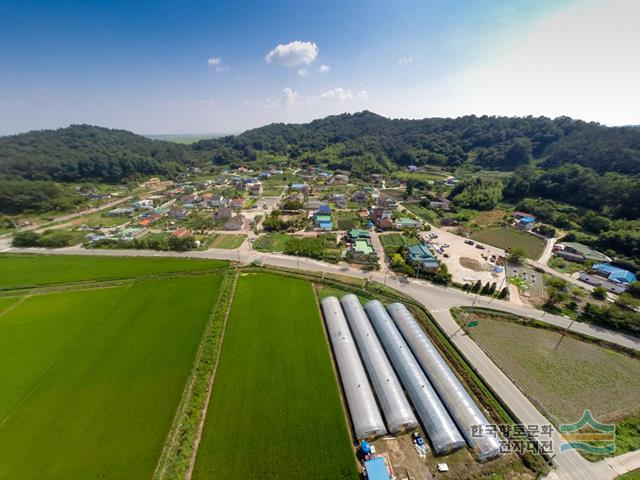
[(457, 249)]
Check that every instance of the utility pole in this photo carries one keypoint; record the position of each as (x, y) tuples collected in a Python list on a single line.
[(564, 333)]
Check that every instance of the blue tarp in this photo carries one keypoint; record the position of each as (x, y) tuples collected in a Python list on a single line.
[(376, 469)]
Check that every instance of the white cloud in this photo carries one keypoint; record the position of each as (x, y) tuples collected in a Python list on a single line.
[(288, 98), (405, 60), (324, 69), (293, 54), (303, 72), (343, 94), (216, 62), (246, 102)]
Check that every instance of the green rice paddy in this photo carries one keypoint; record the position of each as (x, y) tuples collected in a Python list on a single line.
[(35, 270), (275, 410), (91, 379)]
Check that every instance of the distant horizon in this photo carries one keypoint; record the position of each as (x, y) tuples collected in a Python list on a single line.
[(209, 135), (167, 67)]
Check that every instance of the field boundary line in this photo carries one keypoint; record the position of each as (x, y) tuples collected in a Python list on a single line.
[(14, 305), (205, 407), (181, 438)]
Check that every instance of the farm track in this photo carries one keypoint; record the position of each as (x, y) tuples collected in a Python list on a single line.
[(205, 406), (178, 439)]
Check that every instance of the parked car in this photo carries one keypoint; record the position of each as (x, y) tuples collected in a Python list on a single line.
[(479, 247), (469, 242)]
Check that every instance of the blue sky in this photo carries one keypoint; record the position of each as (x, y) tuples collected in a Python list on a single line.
[(196, 67)]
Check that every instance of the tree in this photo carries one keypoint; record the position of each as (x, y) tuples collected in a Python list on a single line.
[(504, 293), (599, 293), (485, 289), (492, 288), (517, 256), (519, 153), (476, 286), (555, 296), (634, 289)]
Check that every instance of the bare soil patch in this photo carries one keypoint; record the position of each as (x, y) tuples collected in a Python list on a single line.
[(471, 264)]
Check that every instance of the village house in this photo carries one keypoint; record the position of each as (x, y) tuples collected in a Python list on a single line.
[(234, 223), (179, 213), (312, 204), (255, 189), (339, 179), (217, 200), (182, 233), (523, 221), (421, 257), (340, 199), (189, 198), (223, 213), (440, 203), (143, 205), (361, 196), (238, 203), (388, 203), (300, 187), (577, 252), (405, 223)]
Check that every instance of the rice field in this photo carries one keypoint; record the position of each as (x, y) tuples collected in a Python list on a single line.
[(91, 379), (275, 410), (20, 271)]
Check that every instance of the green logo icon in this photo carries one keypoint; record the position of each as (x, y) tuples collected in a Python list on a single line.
[(589, 435)]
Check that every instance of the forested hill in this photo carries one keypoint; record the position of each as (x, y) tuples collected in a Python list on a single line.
[(365, 142), (82, 152)]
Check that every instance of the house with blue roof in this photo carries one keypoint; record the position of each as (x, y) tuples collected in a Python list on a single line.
[(523, 220), (421, 257), (606, 275)]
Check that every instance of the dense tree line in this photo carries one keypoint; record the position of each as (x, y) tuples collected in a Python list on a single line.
[(82, 152), (17, 196), (494, 142)]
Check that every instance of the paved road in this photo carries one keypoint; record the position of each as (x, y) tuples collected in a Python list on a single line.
[(570, 465)]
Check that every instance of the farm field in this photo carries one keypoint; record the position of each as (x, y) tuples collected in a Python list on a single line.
[(422, 212), (34, 270), (507, 238), (229, 241), (346, 219), (275, 410), (393, 242), (577, 376), (271, 242), (96, 375)]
